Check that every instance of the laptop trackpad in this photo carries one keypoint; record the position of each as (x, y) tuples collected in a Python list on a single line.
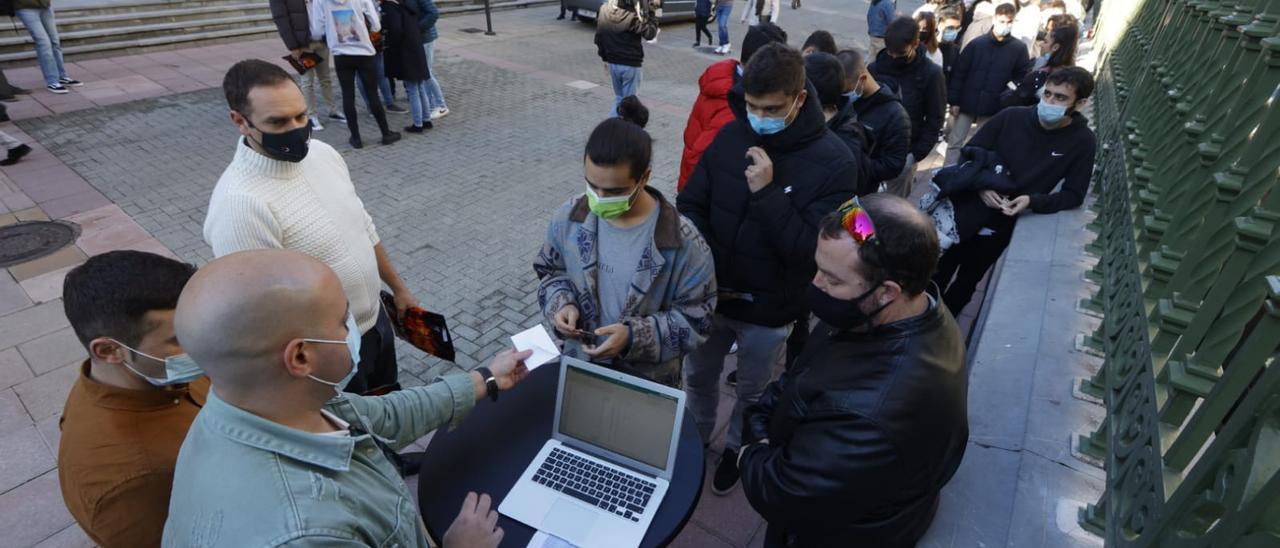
[(569, 521)]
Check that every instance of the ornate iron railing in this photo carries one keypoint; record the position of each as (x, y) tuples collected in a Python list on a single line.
[(1188, 272)]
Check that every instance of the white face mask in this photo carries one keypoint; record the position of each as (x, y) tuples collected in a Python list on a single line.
[(178, 368), (353, 347)]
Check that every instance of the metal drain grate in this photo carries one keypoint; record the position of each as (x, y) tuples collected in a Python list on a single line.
[(472, 30), (28, 241)]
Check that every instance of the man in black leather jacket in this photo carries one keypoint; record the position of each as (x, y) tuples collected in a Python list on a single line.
[(852, 445)]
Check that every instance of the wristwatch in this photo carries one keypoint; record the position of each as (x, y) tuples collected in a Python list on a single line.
[(490, 383)]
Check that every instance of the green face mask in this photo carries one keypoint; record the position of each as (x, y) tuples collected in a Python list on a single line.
[(608, 208)]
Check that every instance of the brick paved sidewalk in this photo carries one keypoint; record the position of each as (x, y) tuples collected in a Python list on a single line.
[(133, 155)]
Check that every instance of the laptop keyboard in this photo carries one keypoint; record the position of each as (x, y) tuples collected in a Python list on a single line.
[(601, 486)]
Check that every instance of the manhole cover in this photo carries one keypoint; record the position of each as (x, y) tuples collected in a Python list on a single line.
[(31, 240)]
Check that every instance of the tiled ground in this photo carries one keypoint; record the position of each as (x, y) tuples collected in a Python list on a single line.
[(133, 155)]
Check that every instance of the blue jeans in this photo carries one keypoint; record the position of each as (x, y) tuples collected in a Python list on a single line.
[(434, 93), (759, 350), (626, 81), (722, 20), (44, 31), (419, 104), (384, 85)]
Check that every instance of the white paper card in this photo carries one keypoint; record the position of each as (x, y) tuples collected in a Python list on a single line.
[(539, 341), (543, 540)]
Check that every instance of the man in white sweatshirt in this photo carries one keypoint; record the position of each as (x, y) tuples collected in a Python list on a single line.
[(284, 190)]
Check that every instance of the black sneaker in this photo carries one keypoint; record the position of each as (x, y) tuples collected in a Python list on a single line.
[(338, 117), (414, 129), (356, 142), (57, 88), (70, 82), (390, 138), (732, 379), (726, 477), (15, 154), (392, 107)]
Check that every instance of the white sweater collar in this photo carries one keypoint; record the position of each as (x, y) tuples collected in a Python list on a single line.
[(253, 162)]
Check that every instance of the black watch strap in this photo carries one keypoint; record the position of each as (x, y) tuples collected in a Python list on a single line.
[(490, 383)]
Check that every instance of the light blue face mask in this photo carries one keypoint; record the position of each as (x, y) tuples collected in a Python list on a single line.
[(949, 34), (178, 368), (353, 347), (1050, 114), (768, 126), (854, 94)]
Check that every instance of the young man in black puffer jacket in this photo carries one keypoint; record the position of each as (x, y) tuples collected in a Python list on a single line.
[(904, 65), (882, 116), (757, 195), (984, 71)]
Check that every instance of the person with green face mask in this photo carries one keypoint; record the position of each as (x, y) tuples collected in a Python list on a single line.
[(625, 280)]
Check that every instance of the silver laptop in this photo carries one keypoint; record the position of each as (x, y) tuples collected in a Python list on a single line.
[(601, 477)]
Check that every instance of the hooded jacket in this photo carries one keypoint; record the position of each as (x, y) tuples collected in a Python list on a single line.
[(889, 131), (763, 242), (846, 126), (710, 113), (345, 24), (863, 432), (403, 57), (984, 71), (620, 27), (924, 94)]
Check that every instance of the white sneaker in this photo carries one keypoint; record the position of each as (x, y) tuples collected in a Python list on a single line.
[(719, 50), (655, 37), (315, 124), (440, 113), (727, 49)]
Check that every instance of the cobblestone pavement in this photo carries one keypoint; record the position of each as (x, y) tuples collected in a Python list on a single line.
[(461, 209)]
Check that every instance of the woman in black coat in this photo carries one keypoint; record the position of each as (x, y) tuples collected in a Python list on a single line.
[(404, 59)]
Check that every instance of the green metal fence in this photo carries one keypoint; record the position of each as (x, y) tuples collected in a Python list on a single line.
[(1188, 272)]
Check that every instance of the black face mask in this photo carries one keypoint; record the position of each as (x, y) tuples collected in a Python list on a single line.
[(290, 146), (840, 313)]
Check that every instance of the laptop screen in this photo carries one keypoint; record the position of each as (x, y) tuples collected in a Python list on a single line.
[(629, 420)]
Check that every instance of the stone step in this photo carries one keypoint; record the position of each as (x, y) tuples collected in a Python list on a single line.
[(115, 30), (115, 34), (143, 45), (71, 24)]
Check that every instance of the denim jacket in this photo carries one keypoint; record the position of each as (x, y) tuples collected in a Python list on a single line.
[(243, 481), (669, 305)]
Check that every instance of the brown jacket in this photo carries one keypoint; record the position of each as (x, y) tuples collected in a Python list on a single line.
[(117, 454)]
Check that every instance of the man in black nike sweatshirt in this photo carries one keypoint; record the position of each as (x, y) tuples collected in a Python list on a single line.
[(1040, 146)]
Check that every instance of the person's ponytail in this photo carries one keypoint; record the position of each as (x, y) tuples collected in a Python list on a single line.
[(623, 140)]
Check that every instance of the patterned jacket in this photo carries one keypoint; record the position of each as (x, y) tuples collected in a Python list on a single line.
[(668, 308)]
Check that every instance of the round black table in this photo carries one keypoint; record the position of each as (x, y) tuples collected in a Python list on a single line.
[(490, 449)]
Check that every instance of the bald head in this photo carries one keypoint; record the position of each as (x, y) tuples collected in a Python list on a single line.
[(238, 313)]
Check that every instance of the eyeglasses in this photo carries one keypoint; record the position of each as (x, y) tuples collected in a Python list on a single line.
[(857, 221)]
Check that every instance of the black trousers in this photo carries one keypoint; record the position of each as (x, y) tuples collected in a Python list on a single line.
[(347, 66), (700, 28), (377, 371), (964, 264)]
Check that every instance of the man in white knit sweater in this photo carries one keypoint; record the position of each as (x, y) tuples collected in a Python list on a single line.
[(286, 191)]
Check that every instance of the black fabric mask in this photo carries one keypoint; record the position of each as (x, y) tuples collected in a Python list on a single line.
[(290, 146), (840, 313)]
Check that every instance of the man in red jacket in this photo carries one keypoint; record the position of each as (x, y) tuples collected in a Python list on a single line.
[(711, 108)]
